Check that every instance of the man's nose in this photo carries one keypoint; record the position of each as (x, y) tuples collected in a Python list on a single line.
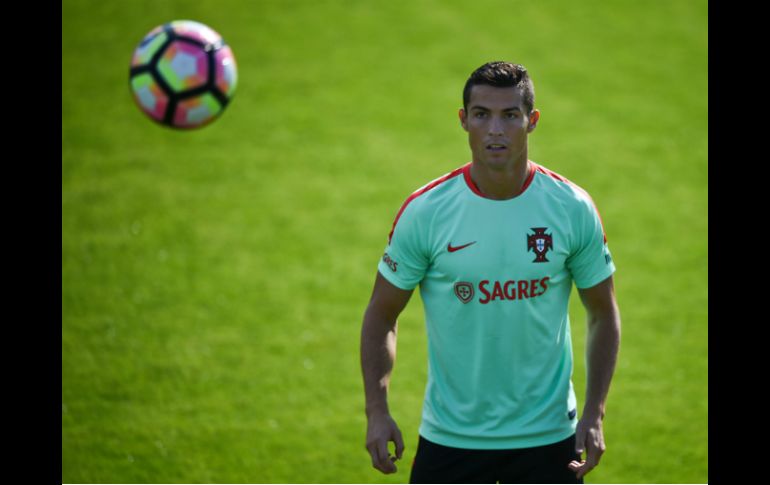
[(496, 126)]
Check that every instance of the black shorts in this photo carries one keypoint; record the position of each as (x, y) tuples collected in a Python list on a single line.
[(435, 463)]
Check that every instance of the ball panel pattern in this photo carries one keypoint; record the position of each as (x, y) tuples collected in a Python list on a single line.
[(143, 54), (149, 95), (194, 112), (196, 30), (184, 66), (226, 71)]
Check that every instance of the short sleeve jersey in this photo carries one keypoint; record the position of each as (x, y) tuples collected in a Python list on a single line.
[(495, 278)]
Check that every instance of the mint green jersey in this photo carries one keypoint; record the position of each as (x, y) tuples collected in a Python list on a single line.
[(495, 278)]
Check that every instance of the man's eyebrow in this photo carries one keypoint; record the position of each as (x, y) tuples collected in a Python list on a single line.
[(484, 108)]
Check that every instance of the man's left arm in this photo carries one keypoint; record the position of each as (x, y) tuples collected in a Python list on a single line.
[(602, 345)]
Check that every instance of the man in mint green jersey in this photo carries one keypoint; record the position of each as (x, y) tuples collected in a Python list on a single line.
[(495, 246)]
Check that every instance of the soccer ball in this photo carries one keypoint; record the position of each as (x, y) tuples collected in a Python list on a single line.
[(183, 74)]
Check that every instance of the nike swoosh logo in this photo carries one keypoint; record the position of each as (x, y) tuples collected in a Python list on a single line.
[(452, 249)]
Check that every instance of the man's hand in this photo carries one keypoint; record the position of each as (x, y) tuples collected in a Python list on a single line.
[(380, 430), (589, 437), (378, 354), (602, 345)]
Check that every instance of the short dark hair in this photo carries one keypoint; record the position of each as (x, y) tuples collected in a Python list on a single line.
[(502, 74)]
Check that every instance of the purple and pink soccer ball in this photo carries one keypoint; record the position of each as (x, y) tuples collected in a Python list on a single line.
[(183, 74)]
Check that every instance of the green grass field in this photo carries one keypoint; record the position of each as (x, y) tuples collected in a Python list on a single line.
[(213, 282)]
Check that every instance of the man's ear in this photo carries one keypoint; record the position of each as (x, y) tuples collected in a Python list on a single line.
[(463, 119), (534, 117)]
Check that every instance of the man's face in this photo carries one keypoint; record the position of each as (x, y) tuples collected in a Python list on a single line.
[(497, 123)]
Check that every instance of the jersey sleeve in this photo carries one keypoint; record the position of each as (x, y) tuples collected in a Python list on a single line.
[(406, 259), (590, 262)]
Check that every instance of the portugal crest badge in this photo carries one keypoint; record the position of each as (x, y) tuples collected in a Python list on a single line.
[(540, 243), (464, 291)]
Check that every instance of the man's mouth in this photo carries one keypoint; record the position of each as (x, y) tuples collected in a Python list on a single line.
[(495, 147)]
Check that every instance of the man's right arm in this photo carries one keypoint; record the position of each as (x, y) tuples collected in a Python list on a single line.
[(378, 354)]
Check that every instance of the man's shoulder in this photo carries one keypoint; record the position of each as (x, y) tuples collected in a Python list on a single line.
[(432, 192), (561, 187), (425, 200)]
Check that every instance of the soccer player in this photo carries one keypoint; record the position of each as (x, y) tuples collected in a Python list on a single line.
[(495, 246)]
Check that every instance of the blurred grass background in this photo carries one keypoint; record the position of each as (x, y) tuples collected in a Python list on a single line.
[(213, 282)]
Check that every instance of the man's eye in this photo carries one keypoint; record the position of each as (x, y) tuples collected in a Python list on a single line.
[(480, 114), (512, 115)]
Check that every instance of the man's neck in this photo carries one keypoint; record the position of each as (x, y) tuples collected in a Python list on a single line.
[(500, 184)]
